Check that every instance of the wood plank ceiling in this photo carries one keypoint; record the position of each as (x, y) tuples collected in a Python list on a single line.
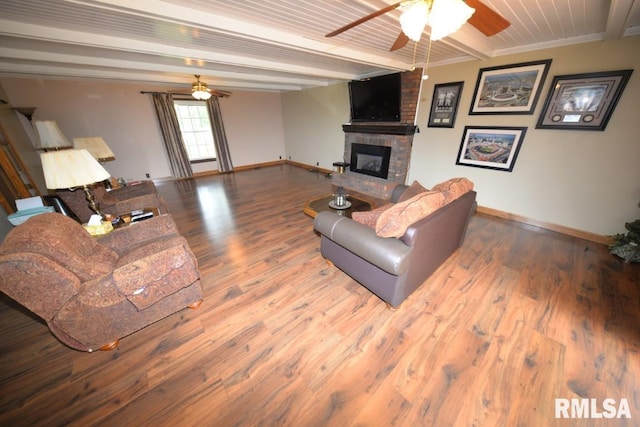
[(275, 45)]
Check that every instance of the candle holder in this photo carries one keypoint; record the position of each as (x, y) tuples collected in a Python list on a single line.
[(340, 200)]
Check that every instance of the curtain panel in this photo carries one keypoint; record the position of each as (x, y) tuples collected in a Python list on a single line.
[(171, 135), (219, 135)]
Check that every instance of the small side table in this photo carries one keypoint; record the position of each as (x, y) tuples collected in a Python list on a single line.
[(341, 167)]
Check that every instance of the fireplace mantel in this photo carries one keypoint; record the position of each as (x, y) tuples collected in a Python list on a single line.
[(381, 129)]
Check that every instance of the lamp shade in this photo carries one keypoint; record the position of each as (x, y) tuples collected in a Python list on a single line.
[(49, 136), (96, 146), (71, 168)]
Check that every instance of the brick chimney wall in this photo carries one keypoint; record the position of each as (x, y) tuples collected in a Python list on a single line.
[(397, 135)]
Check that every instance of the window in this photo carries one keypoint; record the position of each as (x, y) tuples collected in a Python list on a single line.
[(196, 130)]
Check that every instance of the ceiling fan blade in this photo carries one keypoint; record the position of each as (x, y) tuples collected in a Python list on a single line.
[(220, 93), (365, 19), (485, 19), (400, 42)]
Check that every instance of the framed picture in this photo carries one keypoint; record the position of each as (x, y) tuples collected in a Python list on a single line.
[(444, 104), (510, 89), (490, 147), (583, 101)]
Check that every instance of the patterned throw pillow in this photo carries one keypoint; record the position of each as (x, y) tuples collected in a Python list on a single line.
[(413, 190), (394, 221), (453, 188), (370, 218)]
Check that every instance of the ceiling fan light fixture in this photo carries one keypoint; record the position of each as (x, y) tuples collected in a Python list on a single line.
[(199, 90), (414, 19), (447, 16)]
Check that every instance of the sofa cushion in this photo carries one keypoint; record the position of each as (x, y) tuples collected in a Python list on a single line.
[(394, 221), (370, 218), (454, 188), (413, 190)]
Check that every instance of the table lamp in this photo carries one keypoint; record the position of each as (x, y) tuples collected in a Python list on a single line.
[(96, 146), (49, 136), (71, 169)]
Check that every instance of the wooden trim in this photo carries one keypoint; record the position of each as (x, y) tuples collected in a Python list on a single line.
[(386, 129), (258, 165), (592, 237), (309, 167)]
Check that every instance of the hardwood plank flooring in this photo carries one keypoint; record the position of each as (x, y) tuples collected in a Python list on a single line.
[(516, 318)]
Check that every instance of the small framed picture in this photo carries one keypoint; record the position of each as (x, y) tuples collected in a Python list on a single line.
[(583, 101), (444, 104), (490, 147), (509, 89)]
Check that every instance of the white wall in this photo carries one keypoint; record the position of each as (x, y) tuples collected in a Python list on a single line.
[(586, 180), (126, 120), (253, 122), (313, 124)]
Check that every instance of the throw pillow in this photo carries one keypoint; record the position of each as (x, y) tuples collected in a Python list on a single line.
[(369, 218), (413, 190), (394, 221), (453, 188)]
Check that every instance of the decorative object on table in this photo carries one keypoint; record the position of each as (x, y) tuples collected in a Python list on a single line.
[(582, 101), (509, 89), (627, 246), (73, 169), (490, 147), (444, 104), (48, 136), (340, 200), (323, 203)]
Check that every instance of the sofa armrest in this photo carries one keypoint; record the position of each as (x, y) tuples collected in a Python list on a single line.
[(121, 239), (389, 254), (37, 282), (150, 279)]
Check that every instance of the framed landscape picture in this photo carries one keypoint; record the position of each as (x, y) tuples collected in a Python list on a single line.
[(509, 89), (583, 101), (444, 104), (490, 147)]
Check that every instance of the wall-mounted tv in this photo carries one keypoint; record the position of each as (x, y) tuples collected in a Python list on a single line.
[(376, 99)]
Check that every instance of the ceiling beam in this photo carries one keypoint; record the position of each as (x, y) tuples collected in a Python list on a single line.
[(38, 32), (171, 12), (620, 11), (223, 78)]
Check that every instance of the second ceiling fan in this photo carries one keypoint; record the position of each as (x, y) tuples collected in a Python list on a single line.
[(200, 90), (443, 16)]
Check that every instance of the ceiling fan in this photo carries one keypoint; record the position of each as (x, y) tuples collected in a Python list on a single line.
[(443, 16), (200, 90)]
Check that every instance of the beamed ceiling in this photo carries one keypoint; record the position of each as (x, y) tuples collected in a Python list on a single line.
[(274, 45)]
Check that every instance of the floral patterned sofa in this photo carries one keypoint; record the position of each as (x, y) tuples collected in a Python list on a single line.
[(92, 292)]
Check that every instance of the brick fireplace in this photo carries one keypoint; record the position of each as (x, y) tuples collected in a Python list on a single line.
[(397, 135)]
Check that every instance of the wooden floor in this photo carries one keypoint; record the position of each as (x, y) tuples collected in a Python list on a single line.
[(513, 320)]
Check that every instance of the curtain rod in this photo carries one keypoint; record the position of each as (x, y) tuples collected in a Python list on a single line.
[(186, 95)]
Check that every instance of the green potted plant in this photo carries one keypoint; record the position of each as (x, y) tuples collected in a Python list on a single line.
[(627, 246)]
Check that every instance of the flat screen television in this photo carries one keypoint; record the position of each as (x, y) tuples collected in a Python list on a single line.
[(376, 99)]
